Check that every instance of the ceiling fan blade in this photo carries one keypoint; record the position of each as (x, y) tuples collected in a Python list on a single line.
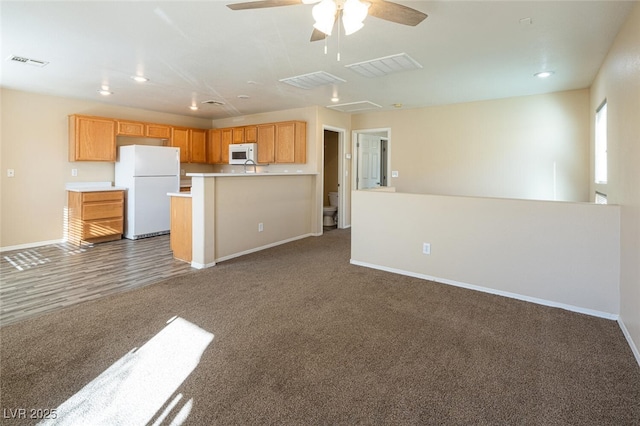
[(396, 13), (262, 3), (317, 35)]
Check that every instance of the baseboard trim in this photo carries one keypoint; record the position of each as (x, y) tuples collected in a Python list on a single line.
[(198, 265), (632, 344), (517, 296), (270, 245), (32, 245)]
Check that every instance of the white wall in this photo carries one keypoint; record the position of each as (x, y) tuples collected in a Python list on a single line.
[(531, 147), (556, 253), (619, 82)]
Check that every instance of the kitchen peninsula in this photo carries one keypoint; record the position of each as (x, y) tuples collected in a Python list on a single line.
[(233, 214)]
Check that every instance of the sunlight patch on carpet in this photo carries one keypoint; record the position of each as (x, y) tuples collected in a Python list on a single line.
[(139, 388)]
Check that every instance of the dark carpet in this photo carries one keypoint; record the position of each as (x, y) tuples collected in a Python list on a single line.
[(303, 337)]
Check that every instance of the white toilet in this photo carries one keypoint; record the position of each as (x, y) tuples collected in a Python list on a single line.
[(330, 212)]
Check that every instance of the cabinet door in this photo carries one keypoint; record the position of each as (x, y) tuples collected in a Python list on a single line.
[(266, 143), (92, 138), (198, 145), (159, 131), (238, 134), (291, 142), (180, 139), (285, 143), (227, 139), (130, 128), (251, 134), (214, 144)]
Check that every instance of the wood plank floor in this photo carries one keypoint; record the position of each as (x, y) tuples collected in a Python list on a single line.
[(42, 279)]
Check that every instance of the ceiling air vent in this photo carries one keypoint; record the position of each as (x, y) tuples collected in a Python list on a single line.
[(213, 102), (354, 106), (28, 61), (382, 66), (312, 80)]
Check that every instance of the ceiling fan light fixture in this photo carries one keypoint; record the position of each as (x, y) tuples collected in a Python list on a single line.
[(353, 14), (350, 26), (324, 14)]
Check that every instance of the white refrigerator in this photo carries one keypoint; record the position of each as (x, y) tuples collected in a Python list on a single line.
[(148, 173)]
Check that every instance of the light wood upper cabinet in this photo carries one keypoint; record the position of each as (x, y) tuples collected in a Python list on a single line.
[(251, 134), (214, 144), (266, 137), (140, 129), (159, 131), (180, 139), (198, 146), (238, 134), (291, 142), (227, 139), (92, 138), (130, 128)]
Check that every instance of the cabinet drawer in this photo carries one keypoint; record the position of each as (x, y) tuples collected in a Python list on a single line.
[(90, 197), (102, 210), (102, 228)]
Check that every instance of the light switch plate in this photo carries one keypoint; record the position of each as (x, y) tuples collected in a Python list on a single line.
[(394, 173)]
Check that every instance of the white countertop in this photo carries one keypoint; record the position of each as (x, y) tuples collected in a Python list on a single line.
[(92, 187), (241, 174), (179, 194)]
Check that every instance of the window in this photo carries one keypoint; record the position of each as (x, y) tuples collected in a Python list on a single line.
[(601, 144)]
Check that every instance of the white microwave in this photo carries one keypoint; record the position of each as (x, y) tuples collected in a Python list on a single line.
[(240, 153)]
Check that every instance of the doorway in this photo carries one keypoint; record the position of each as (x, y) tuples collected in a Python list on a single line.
[(372, 156), (333, 147)]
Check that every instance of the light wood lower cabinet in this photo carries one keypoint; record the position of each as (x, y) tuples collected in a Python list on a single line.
[(95, 217), (180, 228)]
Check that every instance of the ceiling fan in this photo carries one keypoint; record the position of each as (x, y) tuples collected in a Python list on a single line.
[(353, 13)]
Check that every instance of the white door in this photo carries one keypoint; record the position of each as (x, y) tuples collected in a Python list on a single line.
[(368, 161)]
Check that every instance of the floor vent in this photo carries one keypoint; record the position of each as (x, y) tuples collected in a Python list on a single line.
[(28, 61)]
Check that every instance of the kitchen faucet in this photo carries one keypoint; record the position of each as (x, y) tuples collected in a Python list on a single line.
[(252, 162)]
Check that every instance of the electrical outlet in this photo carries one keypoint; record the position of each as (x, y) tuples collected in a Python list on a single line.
[(426, 248), (260, 227), (11, 173), (394, 173), (74, 172)]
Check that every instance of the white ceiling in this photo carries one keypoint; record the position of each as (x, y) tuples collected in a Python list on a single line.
[(202, 50)]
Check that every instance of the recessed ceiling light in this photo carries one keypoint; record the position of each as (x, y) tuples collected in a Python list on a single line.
[(335, 99), (543, 74), (243, 97), (193, 108), (105, 92), (139, 78)]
